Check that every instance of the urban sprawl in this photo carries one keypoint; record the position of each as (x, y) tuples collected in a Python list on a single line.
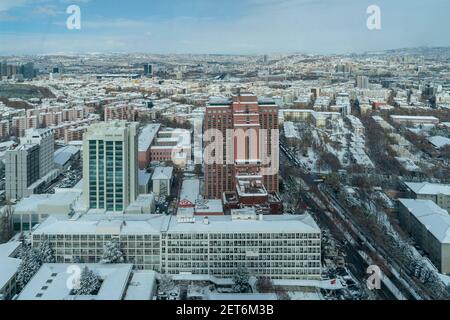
[(218, 177)]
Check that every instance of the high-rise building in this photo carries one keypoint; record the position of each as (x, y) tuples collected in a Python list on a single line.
[(46, 141), (148, 69), (4, 129), (250, 133), (28, 70), (19, 125), (110, 166), (3, 69), (21, 170), (362, 82), (30, 165)]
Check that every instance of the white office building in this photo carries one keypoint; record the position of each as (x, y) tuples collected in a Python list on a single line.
[(110, 166), (280, 247)]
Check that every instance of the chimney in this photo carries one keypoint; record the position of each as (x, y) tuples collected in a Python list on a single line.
[(261, 217), (206, 220)]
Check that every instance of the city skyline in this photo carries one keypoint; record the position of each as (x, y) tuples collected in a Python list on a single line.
[(199, 27), (252, 150)]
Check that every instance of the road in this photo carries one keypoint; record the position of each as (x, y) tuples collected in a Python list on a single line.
[(398, 276), (363, 243)]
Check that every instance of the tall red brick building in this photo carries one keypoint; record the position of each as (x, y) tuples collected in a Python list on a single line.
[(249, 127)]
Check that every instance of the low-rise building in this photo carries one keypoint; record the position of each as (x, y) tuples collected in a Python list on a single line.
[(162, 181), (38, 207), (415, 120), (9, 264), (280, 247), (438, 193), (146, 138), (51, 282), (429, 225), (172, 145)]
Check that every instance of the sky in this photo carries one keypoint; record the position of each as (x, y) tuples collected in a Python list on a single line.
[(221, 26)]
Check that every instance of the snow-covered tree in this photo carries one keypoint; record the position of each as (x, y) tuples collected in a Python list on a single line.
[(112, 253), (265, 285), (90, 283), (282, 294), (166, 283), (46, 253), (28, 267), (241, 280), (447, 292)]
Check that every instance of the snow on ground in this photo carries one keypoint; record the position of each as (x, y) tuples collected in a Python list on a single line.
[(305, 295)]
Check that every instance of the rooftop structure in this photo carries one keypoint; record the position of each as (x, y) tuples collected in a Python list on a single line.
[(50, 282)]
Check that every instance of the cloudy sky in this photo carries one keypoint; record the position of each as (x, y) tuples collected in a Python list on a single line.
[(221, 26)]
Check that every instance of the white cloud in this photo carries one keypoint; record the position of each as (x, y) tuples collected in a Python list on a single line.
[(46, 11), (5, 5)]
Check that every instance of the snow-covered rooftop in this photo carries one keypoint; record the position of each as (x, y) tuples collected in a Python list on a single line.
[(435, 219), (155, 224), (290, 131), (50, 282), (8, 264), (103, 224), (439, 141), (64, 154), (216, 296), (190, 190), (270, 224), (162, 173), (147, 136), (142, 286), (429, 188)]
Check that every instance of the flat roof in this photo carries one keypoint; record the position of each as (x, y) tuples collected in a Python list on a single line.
[(147, 136), (103, 224), (64, 154), (144, 177), (190, 190), (142, 286), (162, 173), (50, 282), (435, 219), (242, 296), (439, 141), (8, 264), (269, 224), (153, 224), (429, 188), (414, 117)]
